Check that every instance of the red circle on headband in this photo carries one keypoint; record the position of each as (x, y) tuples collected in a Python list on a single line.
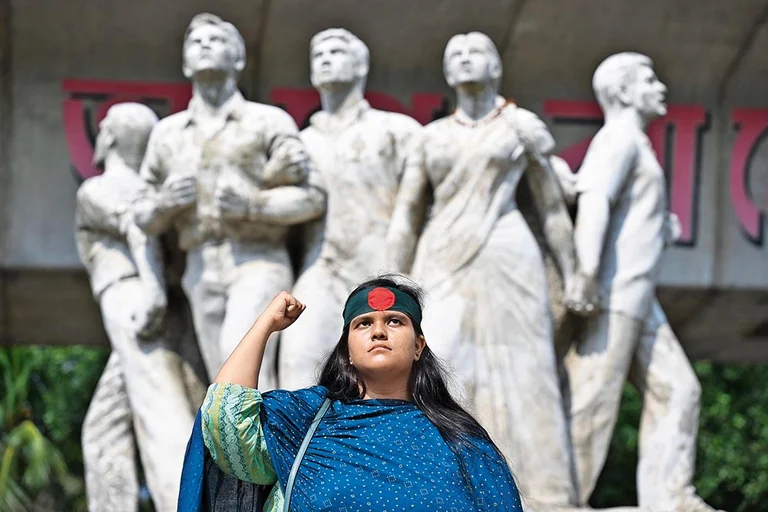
[(381, 299)]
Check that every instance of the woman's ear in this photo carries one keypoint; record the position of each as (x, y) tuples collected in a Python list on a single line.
[(421, 342)]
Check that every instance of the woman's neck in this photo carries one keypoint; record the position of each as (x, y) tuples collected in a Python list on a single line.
[(393, 389)]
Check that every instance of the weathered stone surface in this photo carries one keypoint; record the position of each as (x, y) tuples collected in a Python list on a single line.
[(488, 313), (361, 155), (622, 228), (145, 393), (230, 177)]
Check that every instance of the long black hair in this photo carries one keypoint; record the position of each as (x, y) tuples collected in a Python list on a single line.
[(427, 383)]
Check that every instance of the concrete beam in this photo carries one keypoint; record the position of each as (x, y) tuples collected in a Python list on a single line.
[(51, 307), (6, 126), (251, 82), (505, 45), (743, 50)]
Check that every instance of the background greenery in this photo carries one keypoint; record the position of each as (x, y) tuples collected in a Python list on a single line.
[(732, 459), (44, 394)]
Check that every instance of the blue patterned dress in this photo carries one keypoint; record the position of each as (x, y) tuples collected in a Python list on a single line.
[(382, 455)]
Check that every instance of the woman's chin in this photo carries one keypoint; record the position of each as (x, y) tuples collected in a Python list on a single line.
[(384, 362)]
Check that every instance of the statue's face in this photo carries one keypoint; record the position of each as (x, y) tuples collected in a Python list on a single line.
[(104, 141), (332, 62), (647, 94), (209, 48), (470, 62)]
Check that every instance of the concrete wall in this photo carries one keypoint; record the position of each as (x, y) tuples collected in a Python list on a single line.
[(707, 51), (6, 123)]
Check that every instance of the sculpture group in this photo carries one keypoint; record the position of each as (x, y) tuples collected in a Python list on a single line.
[(472, 206)]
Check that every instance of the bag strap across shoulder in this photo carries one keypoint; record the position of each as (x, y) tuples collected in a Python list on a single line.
[(302, 450)]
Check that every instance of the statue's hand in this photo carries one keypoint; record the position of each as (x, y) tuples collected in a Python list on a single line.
[(290, 166), (282, 312), (581, 295), (232, 203), (149, 321), (178, 192)]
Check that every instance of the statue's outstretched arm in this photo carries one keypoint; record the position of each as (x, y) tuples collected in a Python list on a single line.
[(609, 161), (553, 211), (287, 205), (147, 254), (602, 176), (409, 213)]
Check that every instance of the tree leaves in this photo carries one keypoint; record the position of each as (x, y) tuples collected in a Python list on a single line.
[(35, 445), (732, 458)]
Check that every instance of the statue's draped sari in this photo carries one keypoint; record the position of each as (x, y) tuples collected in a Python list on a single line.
[(489, 312)]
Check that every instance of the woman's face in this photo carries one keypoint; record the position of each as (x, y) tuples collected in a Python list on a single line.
[(383, 343)]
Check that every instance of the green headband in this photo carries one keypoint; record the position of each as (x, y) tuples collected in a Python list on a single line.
[(381, 298)]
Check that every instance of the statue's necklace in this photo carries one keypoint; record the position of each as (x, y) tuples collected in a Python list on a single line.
[(465, 121)]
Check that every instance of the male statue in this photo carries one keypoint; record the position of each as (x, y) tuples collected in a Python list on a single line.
[(143, 386), (360, 152), (488, 313), (622, 228), (231, 176)]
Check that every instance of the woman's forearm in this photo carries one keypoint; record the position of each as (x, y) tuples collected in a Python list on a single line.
[(244, 364)]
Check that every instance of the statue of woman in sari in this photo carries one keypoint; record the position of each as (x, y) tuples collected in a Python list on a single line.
[(489, 312)]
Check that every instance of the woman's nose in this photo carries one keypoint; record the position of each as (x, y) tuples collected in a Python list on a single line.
[(379, 332)]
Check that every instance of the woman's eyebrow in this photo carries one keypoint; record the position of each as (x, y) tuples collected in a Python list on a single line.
[(362, 318)]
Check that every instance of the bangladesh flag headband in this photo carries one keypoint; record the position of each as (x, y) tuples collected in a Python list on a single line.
[(381, 298)]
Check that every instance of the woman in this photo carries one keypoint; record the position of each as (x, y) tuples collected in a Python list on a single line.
[(392, 438)]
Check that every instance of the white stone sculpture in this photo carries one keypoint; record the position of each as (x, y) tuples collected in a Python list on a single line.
[(231, 176), (488, 313), (361, 154), (143, 388), (622, 227)]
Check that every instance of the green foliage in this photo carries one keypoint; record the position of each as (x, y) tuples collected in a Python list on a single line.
[(732, 458), (45, 393), (733, 437), (63, 383)]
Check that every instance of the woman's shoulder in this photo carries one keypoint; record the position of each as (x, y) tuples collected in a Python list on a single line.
[(310, 393), (484, 452), (307, 399)]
